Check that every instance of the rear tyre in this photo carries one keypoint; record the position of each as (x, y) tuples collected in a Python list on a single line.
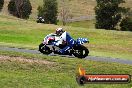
[(44, 49), (80, 51)]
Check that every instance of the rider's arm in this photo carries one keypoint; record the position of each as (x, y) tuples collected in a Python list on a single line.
[(61, 39)]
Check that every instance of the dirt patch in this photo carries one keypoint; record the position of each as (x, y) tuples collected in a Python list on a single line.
[(25, 60)]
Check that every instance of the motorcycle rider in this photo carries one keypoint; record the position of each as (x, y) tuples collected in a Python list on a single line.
[(65, 38)]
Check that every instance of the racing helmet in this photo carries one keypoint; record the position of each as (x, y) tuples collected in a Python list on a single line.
[(59, 31)]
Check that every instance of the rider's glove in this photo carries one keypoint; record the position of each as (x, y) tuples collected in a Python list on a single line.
[(55, 44)]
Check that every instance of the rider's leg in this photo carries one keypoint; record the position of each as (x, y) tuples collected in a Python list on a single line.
[(64, 50), (70, 45)]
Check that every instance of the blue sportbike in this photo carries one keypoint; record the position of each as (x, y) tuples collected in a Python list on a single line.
[(78, 49)]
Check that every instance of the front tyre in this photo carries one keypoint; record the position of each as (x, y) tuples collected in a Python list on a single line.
[(80, 51), (44, 49)]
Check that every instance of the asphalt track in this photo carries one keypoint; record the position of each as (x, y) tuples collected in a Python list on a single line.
[(94, 58)]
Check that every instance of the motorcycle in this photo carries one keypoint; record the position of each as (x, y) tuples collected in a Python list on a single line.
[(40, 19), (78, 50)]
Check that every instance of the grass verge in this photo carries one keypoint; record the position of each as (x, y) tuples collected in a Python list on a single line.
[(61, 74)]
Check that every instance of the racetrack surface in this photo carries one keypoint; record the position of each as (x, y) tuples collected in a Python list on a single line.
[(95, 58)]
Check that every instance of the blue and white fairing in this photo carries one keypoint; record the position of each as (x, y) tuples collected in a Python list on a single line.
[(82, 41)]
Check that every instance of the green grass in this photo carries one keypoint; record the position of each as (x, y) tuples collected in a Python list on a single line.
[(62, 74), (83, 24), (28, 34)]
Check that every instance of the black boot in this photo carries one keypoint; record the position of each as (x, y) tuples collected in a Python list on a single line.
[(58, 52), (68, 53)]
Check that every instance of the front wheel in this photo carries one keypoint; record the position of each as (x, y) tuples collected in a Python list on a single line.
[(80, 51), (44, 49)]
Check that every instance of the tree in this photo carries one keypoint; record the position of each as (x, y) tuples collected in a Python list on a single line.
[(40, 11), (126, 24), (1, 4), (108, 13), (64, 11), (49, 11), (12, 8), (20, 8)]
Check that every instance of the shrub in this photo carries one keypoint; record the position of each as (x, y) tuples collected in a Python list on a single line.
[(49, 11), (126, 24), (21, 9), (108, 13), (1, 4)]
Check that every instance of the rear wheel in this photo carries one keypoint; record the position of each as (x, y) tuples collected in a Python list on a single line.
[(44, 49), (80, 51)]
